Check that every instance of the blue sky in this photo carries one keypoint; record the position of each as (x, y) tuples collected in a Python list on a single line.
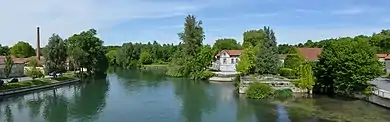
[(120, 21)]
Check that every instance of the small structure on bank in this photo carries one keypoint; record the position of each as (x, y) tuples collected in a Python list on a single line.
[(276, 82)]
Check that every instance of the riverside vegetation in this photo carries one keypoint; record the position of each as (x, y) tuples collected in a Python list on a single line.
[(191, 58)]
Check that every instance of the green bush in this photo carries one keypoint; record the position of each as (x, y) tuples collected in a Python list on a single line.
[(287, 72), (283, 93), (260, 91), (201, 75)]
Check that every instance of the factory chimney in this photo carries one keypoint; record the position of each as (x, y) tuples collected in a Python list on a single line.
[(38, 55)]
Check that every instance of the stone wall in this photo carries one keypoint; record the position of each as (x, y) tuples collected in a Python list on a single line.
[(17, 71), (275, 82)]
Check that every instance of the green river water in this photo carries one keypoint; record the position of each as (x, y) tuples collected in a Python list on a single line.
[(135, 96)]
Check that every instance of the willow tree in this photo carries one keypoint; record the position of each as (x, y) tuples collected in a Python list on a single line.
[(306, 80)]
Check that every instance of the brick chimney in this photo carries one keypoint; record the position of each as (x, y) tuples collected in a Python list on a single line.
[(38, 55)]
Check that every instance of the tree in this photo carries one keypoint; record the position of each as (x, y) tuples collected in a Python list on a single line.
[(226, 44), (87, 52), (346, 66), (111, 56), (306, 80), (4, 50), (145, 58), (8, 65), (32, 62), (55, 54), (246, 63), (192, 38), (253, 38), (22, 50), (267, 59), (293, 61), (33, 71)]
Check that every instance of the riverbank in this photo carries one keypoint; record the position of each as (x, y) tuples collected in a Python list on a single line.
[(36, 84)]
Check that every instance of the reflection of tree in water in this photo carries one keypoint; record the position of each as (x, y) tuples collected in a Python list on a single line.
[(264, 110), (35, 106), (244, 109), (195, 99), (134, 79), (8, 114), (56, 108), (89, 100)]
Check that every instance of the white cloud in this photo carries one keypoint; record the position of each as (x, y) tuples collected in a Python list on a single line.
[(19, 18)]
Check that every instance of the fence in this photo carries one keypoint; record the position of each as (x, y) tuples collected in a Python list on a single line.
[(381, 93)]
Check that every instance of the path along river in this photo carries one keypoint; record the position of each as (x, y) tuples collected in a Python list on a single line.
[(135, 96)]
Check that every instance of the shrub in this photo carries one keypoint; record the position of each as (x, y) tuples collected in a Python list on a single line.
[(202, 75), (35, 73), (283, 93), (287, 72), (14, 80), (24, 84), (259, 91)]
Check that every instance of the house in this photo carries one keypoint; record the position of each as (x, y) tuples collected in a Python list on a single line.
[(226, 60), (310, 54), (385, 58), (17, 69)]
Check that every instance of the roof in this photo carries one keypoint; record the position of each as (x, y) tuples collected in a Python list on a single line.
[(310, 54), (385, 56), (19, 60), (231, 52)]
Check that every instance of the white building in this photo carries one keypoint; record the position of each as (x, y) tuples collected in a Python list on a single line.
[(226, 60)]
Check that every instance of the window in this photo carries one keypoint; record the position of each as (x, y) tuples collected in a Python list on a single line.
[(224, 61), (224, 54), (236, 60), (232, 61)]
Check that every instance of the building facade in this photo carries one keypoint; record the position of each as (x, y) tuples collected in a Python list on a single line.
[(226, 60)]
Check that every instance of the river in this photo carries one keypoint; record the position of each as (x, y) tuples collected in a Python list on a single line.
[(134, 96)]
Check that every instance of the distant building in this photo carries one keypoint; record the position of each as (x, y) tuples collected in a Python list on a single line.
[(226, 60), (17, 69)]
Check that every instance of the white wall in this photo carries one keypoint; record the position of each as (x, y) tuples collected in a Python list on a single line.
[(227, 63)]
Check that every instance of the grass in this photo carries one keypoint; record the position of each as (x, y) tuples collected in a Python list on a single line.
[(28, 83), (36, 82)]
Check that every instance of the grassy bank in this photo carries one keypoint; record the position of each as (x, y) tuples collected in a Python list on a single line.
[(37, 82), (155, 67)]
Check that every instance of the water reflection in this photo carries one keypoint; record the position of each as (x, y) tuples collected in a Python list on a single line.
[(72, 103), (195, 99), (130, 95)]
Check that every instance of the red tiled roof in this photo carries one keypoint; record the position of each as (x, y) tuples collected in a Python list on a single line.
[(16, 60), (231, 52), (385, 56), (310, 54)]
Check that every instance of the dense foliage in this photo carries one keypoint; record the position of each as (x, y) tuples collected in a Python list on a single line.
[(22, 50), (267, 59), (306, 77), (293, 61), (192, 58), (33, 71), (246, 64), (4, 50), (259, 91), (253, 38), (226, 44), (145, 58), (86, 51), (128, 55), (8, 65), (346, 66), (55, 54), (111, 56)]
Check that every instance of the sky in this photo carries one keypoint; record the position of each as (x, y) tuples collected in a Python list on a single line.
[(122, 21)]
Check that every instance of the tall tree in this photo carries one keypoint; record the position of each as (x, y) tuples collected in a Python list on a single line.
[(246, 63), (55, 54), (145, 58), (89, 50), (253, 38), (226, 44), (111, 56), (267, 59), (8, 65), (192, 38), (22, 50), (306, 77), (346, 66), (33, 71)]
